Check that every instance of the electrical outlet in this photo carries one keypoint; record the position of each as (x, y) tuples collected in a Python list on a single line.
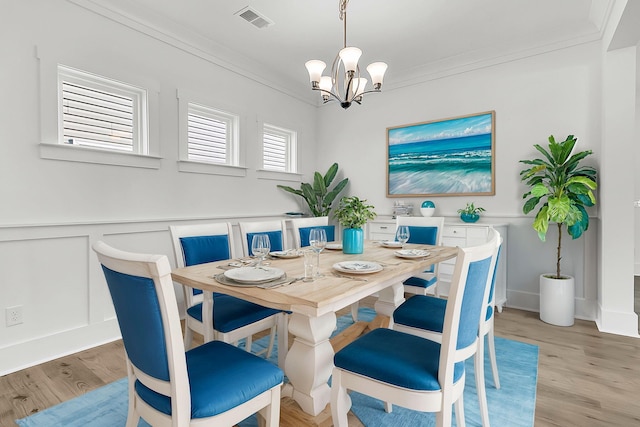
[(14, 315)]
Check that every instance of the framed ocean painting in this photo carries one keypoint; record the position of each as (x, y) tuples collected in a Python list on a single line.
[(450, 157)]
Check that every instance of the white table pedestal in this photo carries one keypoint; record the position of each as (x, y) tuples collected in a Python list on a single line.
[(310, 361)]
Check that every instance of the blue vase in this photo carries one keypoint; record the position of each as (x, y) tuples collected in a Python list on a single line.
[(352, 241), (466, 217)]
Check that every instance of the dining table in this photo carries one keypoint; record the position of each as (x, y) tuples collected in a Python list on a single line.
[(313, 304)]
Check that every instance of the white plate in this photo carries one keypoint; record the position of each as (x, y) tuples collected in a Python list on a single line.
[(391, 244), (411, 253), (357, 267), (334, 246), (286, 254), (254, 275)]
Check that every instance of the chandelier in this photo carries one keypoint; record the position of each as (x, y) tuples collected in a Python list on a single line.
[(345, 84)]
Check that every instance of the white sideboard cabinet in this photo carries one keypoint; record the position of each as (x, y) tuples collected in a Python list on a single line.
[(456, 233)]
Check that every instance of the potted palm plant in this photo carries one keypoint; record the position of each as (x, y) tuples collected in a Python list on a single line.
[(353, 213), (563, 189), (318, 195)]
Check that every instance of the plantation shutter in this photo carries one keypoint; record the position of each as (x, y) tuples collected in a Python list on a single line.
[(275, 146), (207, 138), (96, 118)]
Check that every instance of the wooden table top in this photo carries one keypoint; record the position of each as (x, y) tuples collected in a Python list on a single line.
[(324, 294)]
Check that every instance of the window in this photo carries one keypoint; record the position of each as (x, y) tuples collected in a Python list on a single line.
[(96, 112), (278, 149), (212, 136)]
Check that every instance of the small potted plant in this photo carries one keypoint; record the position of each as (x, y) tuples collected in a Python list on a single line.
[(470, 213), (353, 213)]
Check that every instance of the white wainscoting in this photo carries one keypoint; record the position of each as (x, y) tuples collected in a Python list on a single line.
[(52, 273)]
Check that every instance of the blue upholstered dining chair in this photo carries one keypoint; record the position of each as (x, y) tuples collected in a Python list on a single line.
[(303, 226), (424, 316), (276, 230), (224, 318), (414, 372), (215, 384), (425, 231)]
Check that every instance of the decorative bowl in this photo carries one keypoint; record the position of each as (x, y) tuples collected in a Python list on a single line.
[(466, 217)]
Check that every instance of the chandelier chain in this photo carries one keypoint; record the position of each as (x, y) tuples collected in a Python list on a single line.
[(343, 17)]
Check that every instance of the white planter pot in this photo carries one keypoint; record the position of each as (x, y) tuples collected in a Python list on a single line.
[(557, 300)]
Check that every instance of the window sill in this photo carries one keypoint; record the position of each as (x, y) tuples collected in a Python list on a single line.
[(72, 153), (211, 168), (278, 176)]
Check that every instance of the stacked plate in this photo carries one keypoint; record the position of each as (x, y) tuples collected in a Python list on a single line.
[(251, 276), (357, 267), (391, 244), (290, 253), (411, 253)]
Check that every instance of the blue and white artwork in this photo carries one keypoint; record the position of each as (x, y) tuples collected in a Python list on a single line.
[(446, 157)]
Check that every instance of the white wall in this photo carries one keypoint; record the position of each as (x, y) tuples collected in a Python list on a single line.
[(555, 93), (52, 211)]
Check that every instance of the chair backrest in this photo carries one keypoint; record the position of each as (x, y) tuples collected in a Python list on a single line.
[(468, 293), (426, 230), (276, 230), (144, 299), (491, 298), (423, 230), (303, 226), (200, 243)]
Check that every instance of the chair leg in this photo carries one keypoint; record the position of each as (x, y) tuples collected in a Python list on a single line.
[(388, 407), (188, 337), (354, 311), (272, 339), (248, 341), (269, 416), (480, 386), (459, 408), (340, 401), (492, 356)]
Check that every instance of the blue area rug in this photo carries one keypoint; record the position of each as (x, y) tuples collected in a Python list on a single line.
[(512, 405)]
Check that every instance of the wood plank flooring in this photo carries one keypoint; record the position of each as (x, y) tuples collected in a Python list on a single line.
[(586, 378)]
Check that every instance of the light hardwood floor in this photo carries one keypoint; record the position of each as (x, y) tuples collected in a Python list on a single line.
[(586, 378)]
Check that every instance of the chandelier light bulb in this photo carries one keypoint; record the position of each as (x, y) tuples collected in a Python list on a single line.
[(350, 56), (376, 71), (315, 69)]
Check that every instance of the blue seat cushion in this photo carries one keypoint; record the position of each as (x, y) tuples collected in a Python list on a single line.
[(489, 313), (330, 231), (230, 313), (421, 282), (423, 312), (395, 358), (221, 377)]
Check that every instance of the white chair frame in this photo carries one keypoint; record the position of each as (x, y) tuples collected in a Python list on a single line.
[(485, 328), (431, 401), (157, 267), (205, 328)]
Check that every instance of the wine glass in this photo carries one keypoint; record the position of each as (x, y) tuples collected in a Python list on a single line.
[(402, 235), (317, 241), (260, 247)]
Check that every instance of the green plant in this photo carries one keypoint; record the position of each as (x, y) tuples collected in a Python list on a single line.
[(470, 209), (563, 187), (318, 196), (353, 212)]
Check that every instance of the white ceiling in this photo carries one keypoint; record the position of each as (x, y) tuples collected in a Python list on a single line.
[(417, 38)]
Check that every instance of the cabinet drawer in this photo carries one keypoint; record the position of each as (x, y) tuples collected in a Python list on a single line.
[(381, 227), (454, 231), (454, 241)]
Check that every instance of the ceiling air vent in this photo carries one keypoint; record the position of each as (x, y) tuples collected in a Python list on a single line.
[(254, 17)]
